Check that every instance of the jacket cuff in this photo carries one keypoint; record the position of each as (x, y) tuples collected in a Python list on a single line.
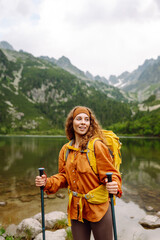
[(119, 193), (47, 187)]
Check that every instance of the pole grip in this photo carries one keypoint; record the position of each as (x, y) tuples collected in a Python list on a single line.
[(109, 176), (41, 171)]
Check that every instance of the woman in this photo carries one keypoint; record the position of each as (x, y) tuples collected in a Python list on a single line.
[(76, 173)]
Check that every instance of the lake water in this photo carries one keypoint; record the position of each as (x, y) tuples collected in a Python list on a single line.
[(20, 158)]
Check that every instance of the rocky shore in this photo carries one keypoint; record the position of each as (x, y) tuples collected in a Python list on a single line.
[(56, 225), (132, 222), (30, 228)]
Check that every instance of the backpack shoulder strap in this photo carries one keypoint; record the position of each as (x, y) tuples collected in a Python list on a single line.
[(91, 154), (67, 150)]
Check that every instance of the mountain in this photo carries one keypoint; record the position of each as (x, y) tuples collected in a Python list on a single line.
[(142, 82), (6, 45), (52, 60), (66, 64), (138, 85), (36, 94)]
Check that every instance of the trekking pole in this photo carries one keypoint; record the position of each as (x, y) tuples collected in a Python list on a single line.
[(42, 205), (109, 176)]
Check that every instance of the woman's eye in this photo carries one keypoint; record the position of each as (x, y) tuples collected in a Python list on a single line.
[(80, 118), (87, 119)]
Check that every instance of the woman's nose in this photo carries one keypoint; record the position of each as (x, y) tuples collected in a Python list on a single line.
[(83, 121)]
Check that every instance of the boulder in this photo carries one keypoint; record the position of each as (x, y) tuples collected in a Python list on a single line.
[(150, 222), (2, 238), (11, 230), (59, 234), (29, 227), (51, 218), (158, 214)]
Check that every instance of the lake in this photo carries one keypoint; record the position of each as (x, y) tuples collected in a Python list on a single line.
[(20, 158)]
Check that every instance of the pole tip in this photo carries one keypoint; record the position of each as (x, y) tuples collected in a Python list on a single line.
[(109, 174), (40, 169)]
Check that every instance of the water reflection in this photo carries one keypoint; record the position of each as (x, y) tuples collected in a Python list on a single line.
[(21, 155), (20, 158), (141, 171)]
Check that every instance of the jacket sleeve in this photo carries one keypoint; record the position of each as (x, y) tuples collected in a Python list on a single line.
[(57, 181), (105, 164)]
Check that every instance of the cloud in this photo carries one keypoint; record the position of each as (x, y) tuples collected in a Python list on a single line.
[(158, 3), (112, 12), (105, 37), (17, 11)]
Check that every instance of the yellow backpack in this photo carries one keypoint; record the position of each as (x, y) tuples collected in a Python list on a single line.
[(114, 146)]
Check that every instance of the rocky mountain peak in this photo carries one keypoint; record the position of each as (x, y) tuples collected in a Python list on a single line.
[(6, 45), (63, 61)]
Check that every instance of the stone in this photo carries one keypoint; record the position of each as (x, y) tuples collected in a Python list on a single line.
[(26, 198), (59, 234), (52, 196), (150, 222), (149, 208), (29, 226), (60, 195), (51, 218), (11, 230), (38, 217), (2, 204), (158, 214)]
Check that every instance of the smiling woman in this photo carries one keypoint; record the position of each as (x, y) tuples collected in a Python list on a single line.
[(89, 206)]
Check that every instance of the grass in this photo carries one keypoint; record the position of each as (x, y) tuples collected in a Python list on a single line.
[(28, 233), (63, 224), (69, 234), (60, 224), (2, 231)]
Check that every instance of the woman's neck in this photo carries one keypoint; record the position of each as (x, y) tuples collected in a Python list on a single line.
[(77, 141)]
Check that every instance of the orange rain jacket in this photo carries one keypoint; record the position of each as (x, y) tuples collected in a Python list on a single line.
[(77, 173)]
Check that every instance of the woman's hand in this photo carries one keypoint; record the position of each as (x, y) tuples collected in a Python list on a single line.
[(41, 181), (112, 187)]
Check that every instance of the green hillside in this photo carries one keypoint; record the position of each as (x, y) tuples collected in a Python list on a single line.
[(36, 96), (142, 124)]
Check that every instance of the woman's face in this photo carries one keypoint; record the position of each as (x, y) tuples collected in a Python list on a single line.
[(81, 124)]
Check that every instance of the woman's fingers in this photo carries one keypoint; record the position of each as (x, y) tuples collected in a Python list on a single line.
[(112, 187), (40, 181)]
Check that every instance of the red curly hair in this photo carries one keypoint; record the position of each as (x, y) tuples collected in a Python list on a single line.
[(94, 130)]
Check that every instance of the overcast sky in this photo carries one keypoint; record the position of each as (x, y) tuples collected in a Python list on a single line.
[(102, 36)]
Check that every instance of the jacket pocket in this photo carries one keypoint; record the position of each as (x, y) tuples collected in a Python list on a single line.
[(83, 165)]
